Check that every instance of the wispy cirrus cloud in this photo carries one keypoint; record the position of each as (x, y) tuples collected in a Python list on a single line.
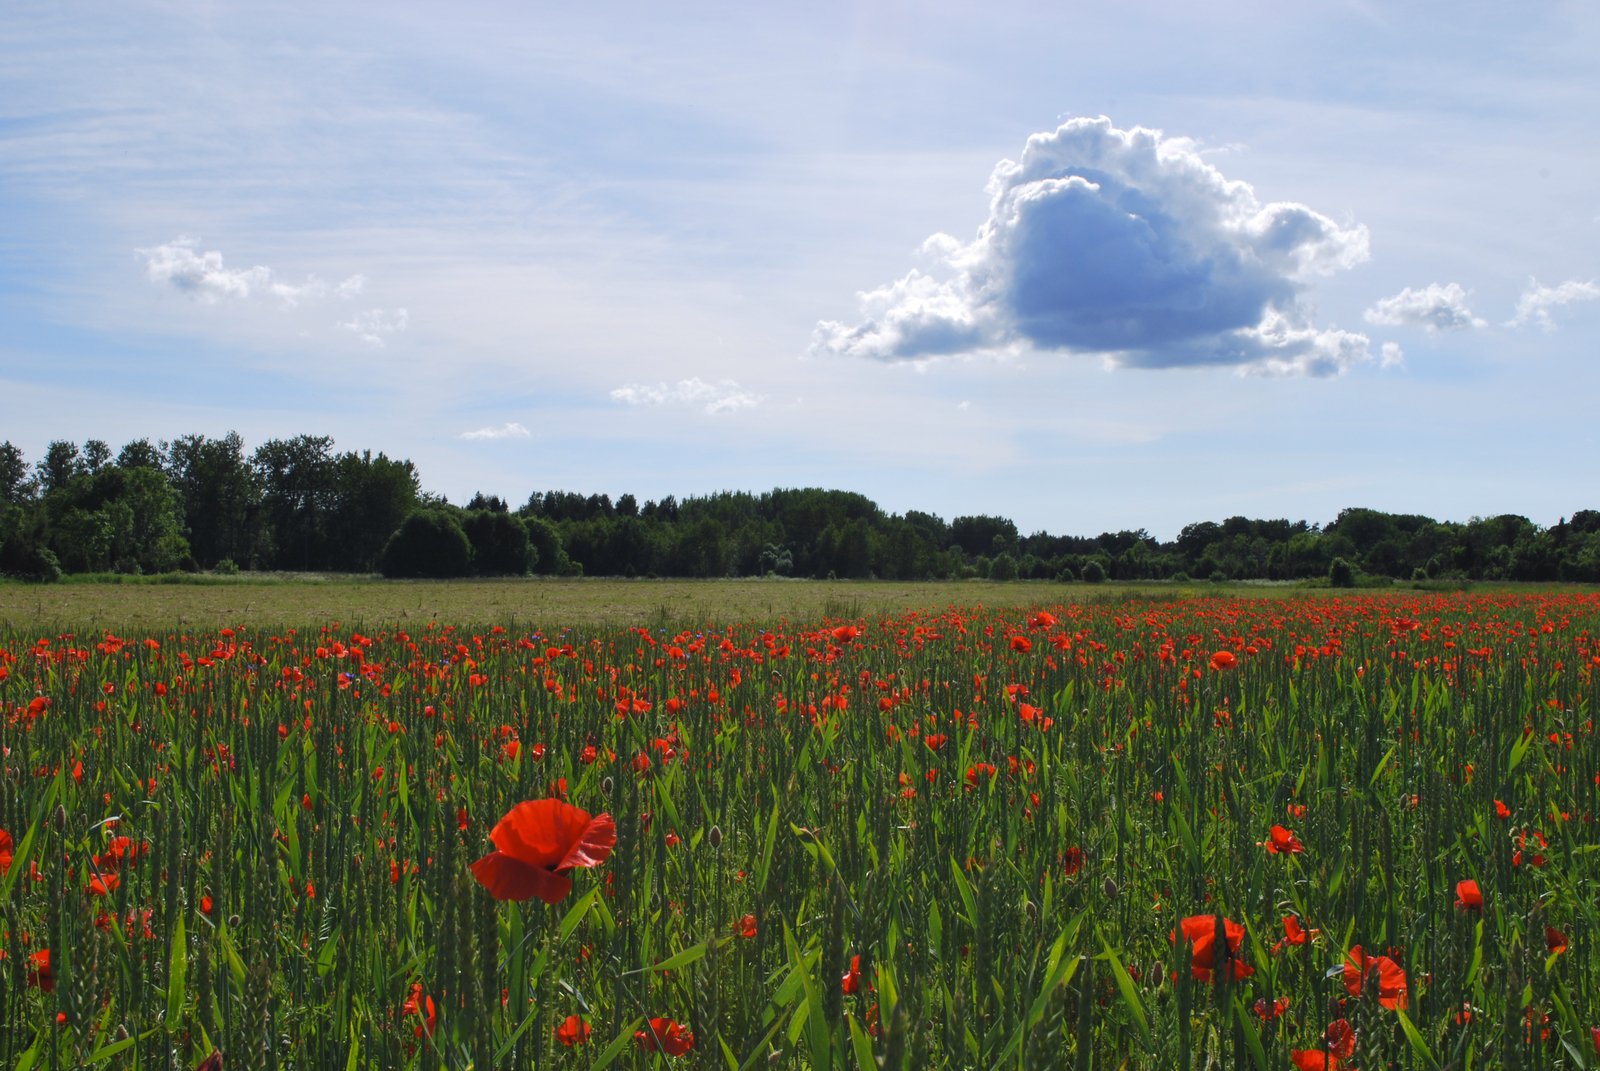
[(1125, 243), (724, 395), (204, 276), (1434, 307), (509, 430), (1537, 301)]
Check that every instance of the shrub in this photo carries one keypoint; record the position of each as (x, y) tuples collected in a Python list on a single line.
[(1341, 574), (1093, 572), (428, 543)]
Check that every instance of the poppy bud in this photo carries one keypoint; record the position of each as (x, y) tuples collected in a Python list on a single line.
[(1110, 889), (233, 921), (121, 1033), (606, 785), (1032, 910), (715, 836), (61, 817)]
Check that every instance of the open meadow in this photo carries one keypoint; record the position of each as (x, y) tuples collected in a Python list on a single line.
[(182, 601), (754, 824)]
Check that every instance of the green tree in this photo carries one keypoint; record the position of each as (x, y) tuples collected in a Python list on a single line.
[(371, 496), (500, 544), (16, 486), (220, 496), (61, 462), (96, 455), (141, 454), (122, 519), (298, 486), (549, 552)]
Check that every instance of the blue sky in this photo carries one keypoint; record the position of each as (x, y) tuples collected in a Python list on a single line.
[(1129, 265)]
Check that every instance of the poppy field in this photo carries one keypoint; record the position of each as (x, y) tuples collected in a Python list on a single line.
[(1298, 832)]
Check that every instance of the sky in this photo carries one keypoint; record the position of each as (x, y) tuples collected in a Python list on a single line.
[(1092, 267)]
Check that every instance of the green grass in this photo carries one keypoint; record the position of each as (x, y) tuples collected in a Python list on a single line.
[(214, 602)]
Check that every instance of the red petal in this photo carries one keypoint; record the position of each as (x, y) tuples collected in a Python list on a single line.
[(508, 878), (555, 835), (539, 832), (593, 845)]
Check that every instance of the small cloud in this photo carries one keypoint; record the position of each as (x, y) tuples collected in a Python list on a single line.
[(201, 275), (509, 430), (1124, 243), (963, 406), (1393, 356), (374, 325), (1435, 308), (204, 276), (1537, 300), (722, 396)]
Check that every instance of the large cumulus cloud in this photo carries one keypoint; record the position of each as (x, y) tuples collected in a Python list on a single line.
[(1123, 243)]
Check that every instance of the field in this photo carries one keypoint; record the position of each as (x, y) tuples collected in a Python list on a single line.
[(393, 826), (365, 601)]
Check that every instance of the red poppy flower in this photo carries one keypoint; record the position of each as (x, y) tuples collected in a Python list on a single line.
[(6, 851), (573, 1031), (852, 978), (1267, 1011), (1021, 643), (1073, 860), (1224, 660), (422, 1007), (1359, 970), (1313, 1060), (747, 926), (1340, 1039), (537, 843), (39, 972), (1280, 840), (1555, 940), (664, 1035), (1501, 810), (1468, 898), (1042, 619), (212, 1062), (1200, 931), (846, 632), (1294, 933)]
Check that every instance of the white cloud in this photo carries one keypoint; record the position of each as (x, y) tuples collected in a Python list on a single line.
[(509, 430), (1436, 308), (724, 395), (374, 325), (1393, 356), (1125, 243), (1537, 300), (204, 276)]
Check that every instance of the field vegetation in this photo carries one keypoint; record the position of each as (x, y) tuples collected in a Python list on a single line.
[(1298, 831)]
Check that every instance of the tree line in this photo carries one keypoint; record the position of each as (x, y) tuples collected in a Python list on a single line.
[(207, 504)]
